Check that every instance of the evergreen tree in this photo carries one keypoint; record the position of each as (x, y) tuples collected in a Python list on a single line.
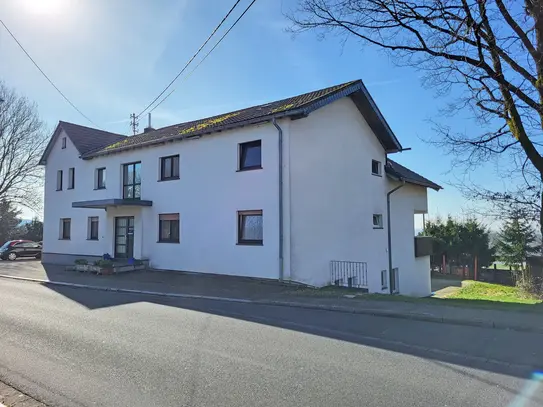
[(9, 219), (33, 231), (516, 241)]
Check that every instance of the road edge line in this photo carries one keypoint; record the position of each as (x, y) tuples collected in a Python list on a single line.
[(334, 308)]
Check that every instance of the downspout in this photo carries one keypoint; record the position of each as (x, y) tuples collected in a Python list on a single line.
[(390, 234), (280, 146)]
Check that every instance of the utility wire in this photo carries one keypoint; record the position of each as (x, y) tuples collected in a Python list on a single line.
[(192, 58), (209, 52), (46, 77)]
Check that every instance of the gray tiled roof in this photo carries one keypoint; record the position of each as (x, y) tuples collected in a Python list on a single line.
[(396, 170), (85, 139), (294, 107)]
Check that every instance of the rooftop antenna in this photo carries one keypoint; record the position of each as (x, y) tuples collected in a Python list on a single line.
[(134, 123)]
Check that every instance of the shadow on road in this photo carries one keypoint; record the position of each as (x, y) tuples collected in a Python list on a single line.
[(459, 345)]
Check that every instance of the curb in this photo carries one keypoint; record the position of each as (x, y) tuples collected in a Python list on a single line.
[(334, 308)]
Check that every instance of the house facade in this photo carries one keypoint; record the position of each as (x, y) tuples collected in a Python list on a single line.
[(294, 190)]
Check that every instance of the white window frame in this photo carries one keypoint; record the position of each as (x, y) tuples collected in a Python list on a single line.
[(379, 172), (63, 146), (379, 223)]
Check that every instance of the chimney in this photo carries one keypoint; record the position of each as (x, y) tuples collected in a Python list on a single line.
[(148, 128)]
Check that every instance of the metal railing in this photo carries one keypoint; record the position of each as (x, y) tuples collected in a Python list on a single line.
[(349, 273)]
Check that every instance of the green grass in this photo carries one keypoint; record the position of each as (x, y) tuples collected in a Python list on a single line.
[(473, 294), (475, 290)]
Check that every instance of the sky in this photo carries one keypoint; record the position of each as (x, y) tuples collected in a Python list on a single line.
[(112, 57)]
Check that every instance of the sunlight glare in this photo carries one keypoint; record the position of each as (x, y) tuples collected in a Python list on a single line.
[(45, 6)]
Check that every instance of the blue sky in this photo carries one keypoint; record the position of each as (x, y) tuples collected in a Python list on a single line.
[(112, 57)]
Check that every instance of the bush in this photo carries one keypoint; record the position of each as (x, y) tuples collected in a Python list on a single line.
[(529, 284), (81, 262), (103, 263)]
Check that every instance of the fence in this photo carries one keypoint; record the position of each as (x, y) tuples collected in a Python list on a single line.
[(498, 276), (349, 273)]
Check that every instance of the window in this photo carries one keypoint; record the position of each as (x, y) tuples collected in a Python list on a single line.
[(377, 221), (65, 227), (375, 167), (100, 178), (250, 157), (59, 180), (132, 181), (250, 228), (63, 142), (71, 178), (384, 280), (92, 229), (169, 168), (168, 228)]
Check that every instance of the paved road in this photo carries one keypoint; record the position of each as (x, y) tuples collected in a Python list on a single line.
[(74, 347)]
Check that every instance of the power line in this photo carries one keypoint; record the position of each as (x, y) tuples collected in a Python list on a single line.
[(210, 51), (191, 59), (46, 77)]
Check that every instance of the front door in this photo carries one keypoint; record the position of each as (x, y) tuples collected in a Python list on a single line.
[(124, 237)]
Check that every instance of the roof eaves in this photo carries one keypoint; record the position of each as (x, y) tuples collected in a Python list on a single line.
[(43, 159), (179, 137)]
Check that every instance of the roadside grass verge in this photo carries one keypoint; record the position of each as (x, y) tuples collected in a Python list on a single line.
[(473, 294), (478, 291)]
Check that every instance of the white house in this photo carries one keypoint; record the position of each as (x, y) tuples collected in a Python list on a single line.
[(294, 190)]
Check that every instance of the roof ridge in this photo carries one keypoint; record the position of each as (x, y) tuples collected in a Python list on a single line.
[(329, 89)]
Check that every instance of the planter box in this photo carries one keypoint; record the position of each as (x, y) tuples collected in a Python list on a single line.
[(123, 268)]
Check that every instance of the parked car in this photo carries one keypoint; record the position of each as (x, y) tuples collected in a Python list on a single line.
[(14, 249)]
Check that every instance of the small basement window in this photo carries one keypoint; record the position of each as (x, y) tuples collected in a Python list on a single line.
[(250, 155), (376, 167), (377, 221)]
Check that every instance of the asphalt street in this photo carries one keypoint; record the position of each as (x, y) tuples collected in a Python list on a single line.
[(77, 347)]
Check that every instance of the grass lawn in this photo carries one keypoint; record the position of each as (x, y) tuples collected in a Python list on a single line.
[(475, 290), (473, 294)]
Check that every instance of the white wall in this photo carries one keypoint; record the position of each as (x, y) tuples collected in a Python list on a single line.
[(207, 196), (334, 195), (414, 272)]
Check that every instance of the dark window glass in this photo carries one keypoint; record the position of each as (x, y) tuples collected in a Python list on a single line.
[(93, 228), (66, 226), (63, 142), (168, 228), (375, 167), (132, 181), (71, 178), (169, 167), (59, 180), (100, 178), (250, 227), (250, 156)]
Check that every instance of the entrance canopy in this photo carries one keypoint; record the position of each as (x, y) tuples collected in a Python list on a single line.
[(104, 203)]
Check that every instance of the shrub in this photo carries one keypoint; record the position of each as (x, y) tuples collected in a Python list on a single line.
[(103, 263), (81, 262), (530, 285)]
